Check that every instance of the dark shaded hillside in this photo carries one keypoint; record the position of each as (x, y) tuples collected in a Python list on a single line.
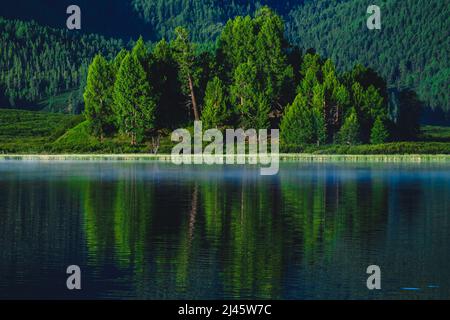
[(153, 19), (112, 18)]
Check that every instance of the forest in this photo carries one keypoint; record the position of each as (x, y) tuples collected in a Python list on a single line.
[(39, 62), (409, 52), (255, 79)]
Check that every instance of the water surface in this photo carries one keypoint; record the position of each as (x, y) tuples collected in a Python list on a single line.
[(158, 231)]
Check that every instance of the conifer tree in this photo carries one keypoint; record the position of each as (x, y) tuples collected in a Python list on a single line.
[(215, 112), (350, 131), (297, 125), (252, 106), (117, 61), (141, 52), (98, 97), (134, 100), (184, 52), (319, 115), (379, 133)]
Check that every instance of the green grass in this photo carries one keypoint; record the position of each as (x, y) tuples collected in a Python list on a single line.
[(435, 133), (394, 148), (79, 140), (28, 132), (32, 132)]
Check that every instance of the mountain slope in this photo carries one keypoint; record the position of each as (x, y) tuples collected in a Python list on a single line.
[(39, 62), (411, 51)]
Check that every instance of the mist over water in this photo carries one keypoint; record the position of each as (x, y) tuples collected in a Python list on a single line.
[(152, 230)]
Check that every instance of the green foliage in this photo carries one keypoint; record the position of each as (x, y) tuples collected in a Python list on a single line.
[(350, 131), (435, 133), (205, 18), (98, 97), (403, 52), (400, 148), (43, 63), (184, 53), (251, 105), (246, 83), (32, 132), (215, 111), (133, 99), (329, 97), (380, 133), (297, 125), (26, 132), (258, 43)]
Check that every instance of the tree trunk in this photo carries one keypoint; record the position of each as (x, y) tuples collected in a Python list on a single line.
[(194, 101)]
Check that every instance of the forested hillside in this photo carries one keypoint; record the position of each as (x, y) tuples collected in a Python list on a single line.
[(204, 18), (411, 51), (39, 62)]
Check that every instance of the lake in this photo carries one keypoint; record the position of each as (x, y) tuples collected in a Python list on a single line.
[(153, 230)]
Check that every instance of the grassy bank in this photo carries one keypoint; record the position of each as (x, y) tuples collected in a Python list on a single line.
[(282, 157), (34, 133), (394, 148)]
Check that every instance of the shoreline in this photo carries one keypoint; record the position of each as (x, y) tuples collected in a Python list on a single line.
[(298, 157)]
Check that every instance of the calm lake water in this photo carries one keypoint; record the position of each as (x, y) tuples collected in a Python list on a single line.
[(159, 231)]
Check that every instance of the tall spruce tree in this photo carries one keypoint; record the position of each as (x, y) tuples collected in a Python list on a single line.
[(350, 131), (297, 124), (215, 111), (98, 97), (251, 104), (379, 133), (189, 71), (135, 102)]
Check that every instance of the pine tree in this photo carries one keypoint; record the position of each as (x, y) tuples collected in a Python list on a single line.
[(185, 55), (319, 115), (118, 60), (134, 100), (243, 89), (215, 112), (350, 131), (297, 124), (270, 55), (379, 134), (252, 105), (140, 50), (261, 119), (98, 97)]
